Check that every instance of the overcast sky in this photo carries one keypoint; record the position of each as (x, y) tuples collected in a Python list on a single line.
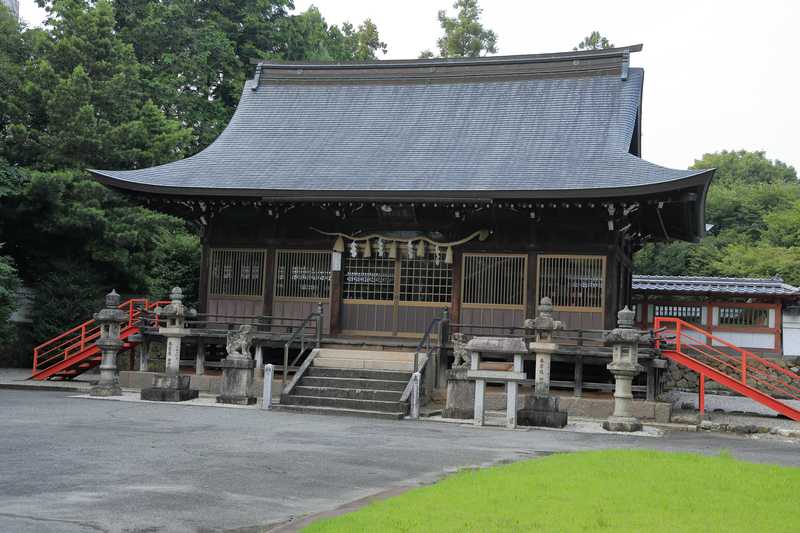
[(718, 75)]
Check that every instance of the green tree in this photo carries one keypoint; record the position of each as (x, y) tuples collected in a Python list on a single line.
[(746, 167), (754, 205), (594, 41), (310, 38), (9, 283), (83, 92), (464, 34)]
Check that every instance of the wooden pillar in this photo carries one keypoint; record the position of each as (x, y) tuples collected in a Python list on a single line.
[(611, 289), (533, 283), (269, 282), (202, 283), (578, 378), (778, 328), (651, 382), (337, 288), (710, 321), (455, 301), (200, 358)]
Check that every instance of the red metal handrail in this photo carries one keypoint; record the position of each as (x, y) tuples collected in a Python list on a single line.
[(75, 340), (744, 364)]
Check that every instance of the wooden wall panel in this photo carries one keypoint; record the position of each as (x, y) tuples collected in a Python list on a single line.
[(415, 319), (367, 318), (234, 306), (300, 309), (579, 320), (478, 316)]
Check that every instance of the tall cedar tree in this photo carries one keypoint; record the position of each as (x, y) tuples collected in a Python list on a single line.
[(464, 35)]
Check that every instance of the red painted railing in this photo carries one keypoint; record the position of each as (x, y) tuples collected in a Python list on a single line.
[(74, 341), (732, 366)]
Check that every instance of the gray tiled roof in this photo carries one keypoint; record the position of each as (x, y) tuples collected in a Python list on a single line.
[(712, 285), (538, 135)]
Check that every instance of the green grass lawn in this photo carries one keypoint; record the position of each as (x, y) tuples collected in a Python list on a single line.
[(616, 490)]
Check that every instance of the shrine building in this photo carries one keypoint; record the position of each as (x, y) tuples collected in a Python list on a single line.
[(392, 190)]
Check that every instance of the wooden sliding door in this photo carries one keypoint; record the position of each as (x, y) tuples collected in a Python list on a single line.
[(302, 281), (576, 285), (394, 297), (236, 281), (493, 291)]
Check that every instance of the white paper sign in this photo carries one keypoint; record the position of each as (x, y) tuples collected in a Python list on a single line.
[(336, 262)]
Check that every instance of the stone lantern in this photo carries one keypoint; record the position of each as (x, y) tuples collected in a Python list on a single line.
[(172, 386), (110, 318), (543, 409), (624, 366), (544, 347)]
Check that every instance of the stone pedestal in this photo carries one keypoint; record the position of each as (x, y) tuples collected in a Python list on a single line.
[(542, 411), (171, 386), (460, 395), (623, 419), (237, 368), (237, 377), (168, 388), (110, 320)]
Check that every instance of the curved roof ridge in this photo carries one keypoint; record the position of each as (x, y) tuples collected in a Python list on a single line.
[(618, 51)]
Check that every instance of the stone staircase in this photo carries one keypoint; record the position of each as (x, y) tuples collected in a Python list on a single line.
[(352, 382)]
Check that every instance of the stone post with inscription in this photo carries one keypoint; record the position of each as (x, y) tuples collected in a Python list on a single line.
[(624, 366), (542, 409), (110, 319), (172, 386)]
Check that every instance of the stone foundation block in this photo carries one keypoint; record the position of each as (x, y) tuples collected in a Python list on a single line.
[(460, 395), (167, 388), (237, 380), (105, 390), (622, 424), (542, 411)]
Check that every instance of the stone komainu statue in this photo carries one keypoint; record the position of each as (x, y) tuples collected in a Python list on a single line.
[(239, 341), (460, 353)]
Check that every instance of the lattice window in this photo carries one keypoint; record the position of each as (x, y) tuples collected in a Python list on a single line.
[(236, 272), (743, 316), (573, 282), (301, 274), (494, 280), (427, 279), (369, 278), (688, 313)]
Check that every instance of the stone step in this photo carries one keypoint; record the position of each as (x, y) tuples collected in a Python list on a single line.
[(350, 393), (337, 411), (372, 355), (356, 373), (367, 364), (346, 403), (353, 383)]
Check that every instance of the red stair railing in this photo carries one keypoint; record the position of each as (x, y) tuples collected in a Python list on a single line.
[(710, 356), (74, 341)]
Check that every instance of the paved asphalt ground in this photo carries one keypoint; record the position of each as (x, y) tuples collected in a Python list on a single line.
[(78, 465)]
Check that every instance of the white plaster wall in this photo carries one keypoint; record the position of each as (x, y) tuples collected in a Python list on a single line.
[(791, 334), (746, 340)]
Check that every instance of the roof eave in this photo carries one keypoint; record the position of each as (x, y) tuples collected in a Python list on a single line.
[(702, 178)]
